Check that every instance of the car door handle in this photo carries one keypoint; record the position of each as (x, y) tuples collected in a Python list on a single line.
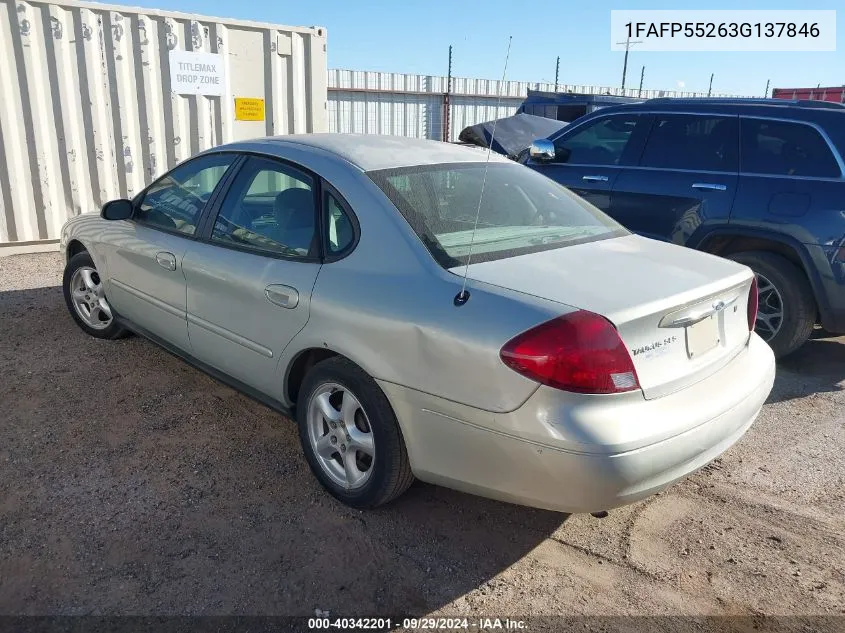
[(280, 295), (166, 260), (709, 186), (594, 178)]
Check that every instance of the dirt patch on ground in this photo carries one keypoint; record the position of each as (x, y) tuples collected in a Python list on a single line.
[(131, 483)]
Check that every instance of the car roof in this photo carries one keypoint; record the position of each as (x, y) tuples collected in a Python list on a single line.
[(370, 152), (783, 108)]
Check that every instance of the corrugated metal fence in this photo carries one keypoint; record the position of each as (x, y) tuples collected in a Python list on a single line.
[(88, 113), (415, 105)]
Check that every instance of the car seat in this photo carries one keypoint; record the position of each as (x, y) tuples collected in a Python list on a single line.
[(294, 212)]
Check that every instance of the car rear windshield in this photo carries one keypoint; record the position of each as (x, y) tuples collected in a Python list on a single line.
[(521, 211)]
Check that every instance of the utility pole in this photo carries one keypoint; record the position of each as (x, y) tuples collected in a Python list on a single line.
[(642, 76), (557, 71), (446, 100), (710, 89), (766, 94), (628, 43)]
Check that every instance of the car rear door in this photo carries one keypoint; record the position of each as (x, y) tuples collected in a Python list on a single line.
[(146, 283), (249, 279), (686, 177), (791, 180), (589, 156)]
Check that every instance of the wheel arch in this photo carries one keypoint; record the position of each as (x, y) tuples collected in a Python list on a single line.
[(74, 247), (313, 352), (299, 365)]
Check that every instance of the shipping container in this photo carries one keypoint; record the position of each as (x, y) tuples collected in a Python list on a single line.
[(98, 99), (835, 94), (568, 106)]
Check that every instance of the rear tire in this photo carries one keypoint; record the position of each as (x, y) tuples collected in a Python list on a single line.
[(350, 435), (784, 290), (86, 300)]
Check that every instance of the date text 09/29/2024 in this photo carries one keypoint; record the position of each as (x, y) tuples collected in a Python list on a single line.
[(417, 624)]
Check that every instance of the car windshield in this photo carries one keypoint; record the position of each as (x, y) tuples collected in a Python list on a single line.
[(521, 212)]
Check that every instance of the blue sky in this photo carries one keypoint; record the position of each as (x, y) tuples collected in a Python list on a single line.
[(413, 36)]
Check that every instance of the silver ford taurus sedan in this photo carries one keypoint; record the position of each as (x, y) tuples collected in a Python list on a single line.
[(527, 348)]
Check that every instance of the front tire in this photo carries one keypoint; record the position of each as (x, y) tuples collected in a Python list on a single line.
[(350, 435), (787, 309), (86, 300)]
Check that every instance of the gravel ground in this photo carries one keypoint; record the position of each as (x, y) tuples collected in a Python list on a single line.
[(131, 483)]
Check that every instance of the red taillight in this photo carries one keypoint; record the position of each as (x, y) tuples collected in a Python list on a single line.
[(579, 352), (753, 301)]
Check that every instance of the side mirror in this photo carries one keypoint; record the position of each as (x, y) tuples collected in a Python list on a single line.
[(542, 150), (117, 210)]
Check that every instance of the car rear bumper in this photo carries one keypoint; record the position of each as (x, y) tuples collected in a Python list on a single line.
[(574, 453)]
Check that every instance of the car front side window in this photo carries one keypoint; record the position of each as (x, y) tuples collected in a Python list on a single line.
[(269, 209), (602, 142), (175, 201)]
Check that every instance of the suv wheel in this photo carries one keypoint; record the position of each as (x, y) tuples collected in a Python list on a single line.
[(787, 310)]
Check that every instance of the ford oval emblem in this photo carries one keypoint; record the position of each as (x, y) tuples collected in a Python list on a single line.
[(719, 306)]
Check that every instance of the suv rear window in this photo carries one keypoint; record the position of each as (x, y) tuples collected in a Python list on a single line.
[(785, 149), (522, 212)]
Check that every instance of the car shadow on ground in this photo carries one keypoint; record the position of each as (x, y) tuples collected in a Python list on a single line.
[(133, 483), (816, 367)]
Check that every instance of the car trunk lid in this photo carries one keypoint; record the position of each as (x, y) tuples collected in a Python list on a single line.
[(682, 314)]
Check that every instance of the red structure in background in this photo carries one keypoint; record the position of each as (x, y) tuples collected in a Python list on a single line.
[(836, 94)]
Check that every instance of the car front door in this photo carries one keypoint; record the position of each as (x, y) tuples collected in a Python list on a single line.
[(250, 278), (589, 156), (146, 283), (686, 178)]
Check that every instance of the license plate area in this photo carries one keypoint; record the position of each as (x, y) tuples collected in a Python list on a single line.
[(702, 337)]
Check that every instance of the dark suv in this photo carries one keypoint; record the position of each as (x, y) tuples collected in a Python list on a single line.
[(760, 181)]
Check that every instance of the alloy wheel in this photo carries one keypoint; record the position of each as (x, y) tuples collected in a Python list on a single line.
[(770, 309), (89, 300), (341, 436)]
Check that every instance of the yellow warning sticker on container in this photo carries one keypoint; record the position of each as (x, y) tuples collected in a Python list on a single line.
[(247, 109)]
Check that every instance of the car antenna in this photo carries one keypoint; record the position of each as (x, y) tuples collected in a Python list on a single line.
[(463, 296)]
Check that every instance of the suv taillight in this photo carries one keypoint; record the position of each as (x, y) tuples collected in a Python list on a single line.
[(580, 352), (753, 300)]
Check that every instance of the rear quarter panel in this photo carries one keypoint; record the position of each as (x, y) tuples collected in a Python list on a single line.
[(390, 308), (809, 215)]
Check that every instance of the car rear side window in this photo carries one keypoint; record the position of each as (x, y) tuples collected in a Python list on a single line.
[(784, 148), (340, 232), (269, 209), (521, 212), (602, 142), (175, 201), (685, 141)]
